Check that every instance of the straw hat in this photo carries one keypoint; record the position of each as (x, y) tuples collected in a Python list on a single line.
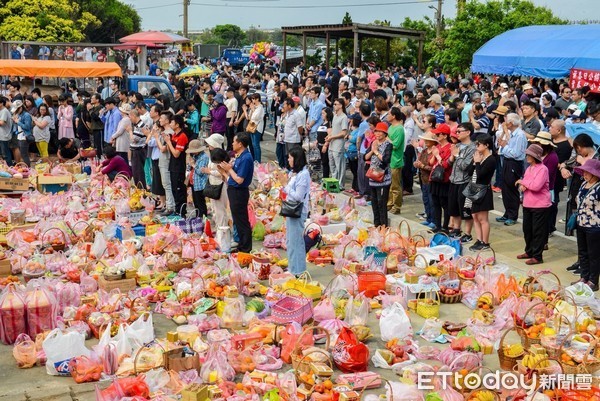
[(195, 147), (429, 137), (501, 110), (543, 138)]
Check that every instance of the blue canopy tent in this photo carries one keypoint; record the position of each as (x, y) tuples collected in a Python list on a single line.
[(545, 51)]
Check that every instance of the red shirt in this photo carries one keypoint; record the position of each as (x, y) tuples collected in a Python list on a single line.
[(445, 154), (101, 58), (179, 141)]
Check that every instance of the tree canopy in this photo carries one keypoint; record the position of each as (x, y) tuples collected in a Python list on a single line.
[(479, 22), (67, 21)]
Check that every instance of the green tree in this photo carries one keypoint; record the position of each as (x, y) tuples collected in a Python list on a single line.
[(430, 45), (117, 20), (346, 45), (254, 35), (376, 49), (45, 20), (229, 34), (479, 22), (291, 40)]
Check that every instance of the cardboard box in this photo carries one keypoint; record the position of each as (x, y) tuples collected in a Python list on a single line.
[(214, 392), (5, 269), (195, 392), (14, 184), (55, 179), (321, 369), (241, 341), (125, 285), (349, 396)]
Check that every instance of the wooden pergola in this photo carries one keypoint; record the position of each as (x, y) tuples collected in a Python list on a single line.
[(356, 32)]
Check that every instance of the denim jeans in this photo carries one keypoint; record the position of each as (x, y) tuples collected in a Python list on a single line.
[(281, 156), (427, 202), (255, 137), (6, 152), (295, 243)]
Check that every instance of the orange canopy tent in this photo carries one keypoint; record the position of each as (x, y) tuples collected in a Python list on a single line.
[(59, 69)]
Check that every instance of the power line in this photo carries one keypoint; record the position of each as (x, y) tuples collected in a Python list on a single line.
[(321, 5), (240, 4)]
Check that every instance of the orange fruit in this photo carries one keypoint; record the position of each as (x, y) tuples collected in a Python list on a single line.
[(239, 386), (328, 384)]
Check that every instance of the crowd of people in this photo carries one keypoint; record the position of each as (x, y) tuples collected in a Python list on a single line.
[(463, 139)]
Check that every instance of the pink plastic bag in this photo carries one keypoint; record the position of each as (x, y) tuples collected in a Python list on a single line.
[(216, 367), (42, 310), (67, 295), (324, 310), (25, 352), (12, 314)]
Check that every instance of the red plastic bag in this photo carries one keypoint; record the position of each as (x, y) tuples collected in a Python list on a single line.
[(125, 387), (85, 369), (290, 338), (12, 314), (349, 354)]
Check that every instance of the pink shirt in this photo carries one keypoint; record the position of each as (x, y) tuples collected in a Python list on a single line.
[(536, 180), (373, 77)]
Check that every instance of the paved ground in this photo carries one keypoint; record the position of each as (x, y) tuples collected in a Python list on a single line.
[(34, 384)]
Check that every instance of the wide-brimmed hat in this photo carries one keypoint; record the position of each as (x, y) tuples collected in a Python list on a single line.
[(125, 108), (215, 140), (442, 129), (195, 146), (543, 138), (501, 110), (381, 126), (527, 87), (592, 166), (437, 99), (535, 151), (428, 136), (15, 105)]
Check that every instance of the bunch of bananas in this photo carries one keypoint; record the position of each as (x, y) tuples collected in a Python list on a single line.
[(433, 271), (483, 316), (514, 350), (485, 302), (483, 395), (541, 295), (537, 361)]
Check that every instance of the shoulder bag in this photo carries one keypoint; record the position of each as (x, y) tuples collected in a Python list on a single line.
[(292, 209), (375, 173), (251, 127), (475, 192), (213, 191), (437, 174)]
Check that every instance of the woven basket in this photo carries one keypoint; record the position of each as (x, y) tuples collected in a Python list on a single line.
[(299, 361), (427, 309), (450, 277), (585, 367), (525, 339), (533, 283), (507, 362)]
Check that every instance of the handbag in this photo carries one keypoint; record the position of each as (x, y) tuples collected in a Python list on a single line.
[(213, 191), (87, 153), (437, 174), (475, 192), (291, 209), (251, 127), (375, 173)]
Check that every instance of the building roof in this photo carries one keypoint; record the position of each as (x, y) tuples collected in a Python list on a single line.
[(347, 31)]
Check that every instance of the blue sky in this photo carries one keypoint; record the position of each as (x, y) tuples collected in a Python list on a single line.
[(166, 14)]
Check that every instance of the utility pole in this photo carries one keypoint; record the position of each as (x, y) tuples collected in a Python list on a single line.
[(438, 29), (186, 4)]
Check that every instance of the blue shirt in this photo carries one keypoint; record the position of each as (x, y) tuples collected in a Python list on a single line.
[(38, 102), (243, 167), (516, 146), (200, 178), (440, 118), (154, 150), (111, 121), (298, 188), (15, 54), (352, 150), (314, 114), (152, 70), (362, 128)]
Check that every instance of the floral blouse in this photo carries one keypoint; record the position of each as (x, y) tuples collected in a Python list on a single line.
[(588, 210)]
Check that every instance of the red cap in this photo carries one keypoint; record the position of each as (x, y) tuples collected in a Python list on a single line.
[(442, 129), (381, 126)]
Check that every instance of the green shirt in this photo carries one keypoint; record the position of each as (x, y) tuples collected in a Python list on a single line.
[(396, 135), (204, 109)]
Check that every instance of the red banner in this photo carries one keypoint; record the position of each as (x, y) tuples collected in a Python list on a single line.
[(580, 78)]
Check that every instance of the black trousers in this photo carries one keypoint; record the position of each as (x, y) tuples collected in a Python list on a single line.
[(238, 203), (535, 231), (553, 213), (97, 135), (512, 170), (589, 254), (200, 203), (138, 160), (179, 190), (440, 207), (408, 171), (379, 200), (230, 133), (324, 162), (125, 156), (353, 163)]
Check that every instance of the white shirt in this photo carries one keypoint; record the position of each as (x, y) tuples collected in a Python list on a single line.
[(270, 89), (232, 106), (87, 54), (130, 64), (348, 80), (301, 113)]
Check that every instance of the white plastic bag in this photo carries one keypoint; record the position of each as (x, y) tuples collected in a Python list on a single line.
[(582, 294), (142, 330), (224, 238), (394, 323), (432, 329), (60, 349), (99, 245), (357, 310), (434, 252)]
